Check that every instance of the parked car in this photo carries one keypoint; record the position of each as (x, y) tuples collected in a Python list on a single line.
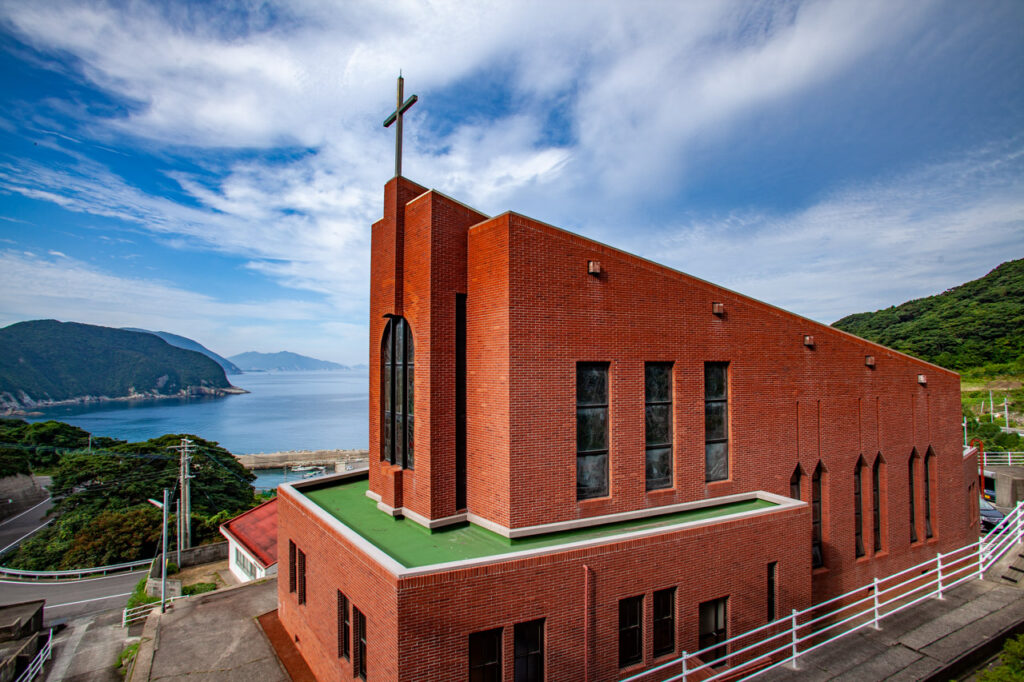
[(990, 516)]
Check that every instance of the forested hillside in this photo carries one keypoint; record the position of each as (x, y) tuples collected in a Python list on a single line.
[(977, 325), (102, 513), (47, 360)]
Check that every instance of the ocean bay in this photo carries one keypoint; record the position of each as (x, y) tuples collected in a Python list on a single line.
[(282, 411)]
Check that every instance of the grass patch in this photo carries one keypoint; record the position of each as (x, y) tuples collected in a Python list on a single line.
[(125, 658), (139, 597), (198, 588)]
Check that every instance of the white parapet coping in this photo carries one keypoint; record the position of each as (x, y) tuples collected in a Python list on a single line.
[(293, 491)]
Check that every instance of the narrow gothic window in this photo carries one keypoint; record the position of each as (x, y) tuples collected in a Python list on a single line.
[(359, 643), (772, 569), (291, 566), (397, 370), (300, 564), (876, 498), (344, 626), (928, 463), (817, 555), (794, 482), (591, 429), (911, 467), (858, 502), (658, 420), (716, 421)]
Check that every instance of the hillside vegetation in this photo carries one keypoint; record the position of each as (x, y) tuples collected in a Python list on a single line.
[(975, 328), (102, 513), (46, 361), (284, 361), (190, 344)]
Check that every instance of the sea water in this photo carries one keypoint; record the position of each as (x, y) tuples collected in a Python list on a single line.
[(282, 411)]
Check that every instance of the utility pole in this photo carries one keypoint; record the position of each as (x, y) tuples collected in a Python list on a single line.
[(163, 559), (1006, 414), (185, 450), (991, 407)]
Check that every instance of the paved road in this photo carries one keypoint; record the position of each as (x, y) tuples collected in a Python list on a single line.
[(71, 599), (17, 527)]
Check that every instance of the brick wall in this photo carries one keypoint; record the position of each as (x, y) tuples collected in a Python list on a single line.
[(789, 403), (334, 564), (422, 624)]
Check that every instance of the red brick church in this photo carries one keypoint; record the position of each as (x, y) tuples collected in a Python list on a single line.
[(583, 463)]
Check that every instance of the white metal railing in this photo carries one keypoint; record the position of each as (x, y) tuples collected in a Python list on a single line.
[(73, 573), (137, 613), (1003, 459), (36, 666), (784, 640)]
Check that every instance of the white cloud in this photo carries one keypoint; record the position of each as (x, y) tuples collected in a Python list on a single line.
[(69, 289), (867, 247)]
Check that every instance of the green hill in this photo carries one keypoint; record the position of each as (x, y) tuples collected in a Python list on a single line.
[(46, 361), (978, 325)]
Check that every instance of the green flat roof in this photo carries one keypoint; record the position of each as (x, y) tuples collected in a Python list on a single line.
[(413, 546)]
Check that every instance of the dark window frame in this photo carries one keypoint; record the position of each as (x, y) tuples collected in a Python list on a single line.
[(719, 632), (291, 566), (528, 661), (817, 518), (397, 379), (344, 626), (911, 475), (772, 590), (300, 565), (663, 622), (631, 631), (358, 643), (590, 405), (663, 482), (876, 499), (928, 529), (796, 482), (490, 668), (710, 402), (858, 508)]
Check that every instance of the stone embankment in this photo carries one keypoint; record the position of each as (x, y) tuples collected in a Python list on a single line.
[(339, 459)]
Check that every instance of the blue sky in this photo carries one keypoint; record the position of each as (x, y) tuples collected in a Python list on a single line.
[(214, 172)]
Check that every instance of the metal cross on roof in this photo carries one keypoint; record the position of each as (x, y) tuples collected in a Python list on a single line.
[(396, 115)]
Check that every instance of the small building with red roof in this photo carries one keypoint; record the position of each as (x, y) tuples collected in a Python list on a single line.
[(252, 542)]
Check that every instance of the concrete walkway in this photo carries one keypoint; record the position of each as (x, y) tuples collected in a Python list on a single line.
[(933, 640), (214, 636)]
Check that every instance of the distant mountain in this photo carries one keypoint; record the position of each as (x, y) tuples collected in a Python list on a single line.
[(46, 362), (975, 324), (281, 362), (189, 344)]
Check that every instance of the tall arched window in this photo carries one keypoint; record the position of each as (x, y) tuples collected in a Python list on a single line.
[(911, 474), (396, 403), (929, 463), (794, 482), (858, 506), (877, 476), (817, 554)]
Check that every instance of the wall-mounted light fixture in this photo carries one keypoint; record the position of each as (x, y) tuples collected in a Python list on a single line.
[(922, 379), (594, 268), (869, 360), (808, 340), (718, 309)]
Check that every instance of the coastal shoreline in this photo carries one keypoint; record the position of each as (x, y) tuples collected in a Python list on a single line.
[(19, 409), (277, 460)]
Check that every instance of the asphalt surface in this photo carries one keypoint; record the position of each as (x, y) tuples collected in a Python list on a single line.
[(72, 599), (17, 527)]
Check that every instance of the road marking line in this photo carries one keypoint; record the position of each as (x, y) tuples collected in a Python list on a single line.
[(24, 512), (31, 532), (86, 601)]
